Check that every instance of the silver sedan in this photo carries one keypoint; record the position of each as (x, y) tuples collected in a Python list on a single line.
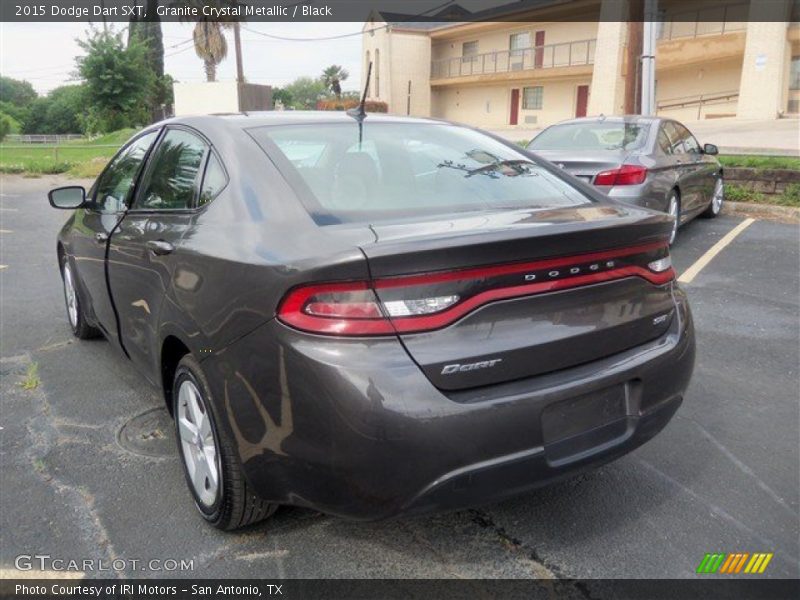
[(652, 162)]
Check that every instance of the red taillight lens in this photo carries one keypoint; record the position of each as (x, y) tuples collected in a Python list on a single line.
[(414, 303), (335, 309), (625, 175)]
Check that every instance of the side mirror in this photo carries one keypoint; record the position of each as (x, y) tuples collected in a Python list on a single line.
[(710, 149), (69, 197)]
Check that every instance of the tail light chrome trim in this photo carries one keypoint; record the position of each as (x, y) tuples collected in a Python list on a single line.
[(429, 301)]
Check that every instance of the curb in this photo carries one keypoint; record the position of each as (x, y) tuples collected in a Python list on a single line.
[(782, 213)]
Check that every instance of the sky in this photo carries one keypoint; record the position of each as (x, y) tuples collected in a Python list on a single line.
[(44, 53)]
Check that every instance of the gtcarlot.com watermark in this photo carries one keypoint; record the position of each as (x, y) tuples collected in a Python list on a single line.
[(47, 562)]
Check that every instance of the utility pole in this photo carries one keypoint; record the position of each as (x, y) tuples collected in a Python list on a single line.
[(649, 58), (237, 42), (632, 56)]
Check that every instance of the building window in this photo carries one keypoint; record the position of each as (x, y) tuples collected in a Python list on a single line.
[(532, 97), (469, 50), (519, 42), (377, 73)]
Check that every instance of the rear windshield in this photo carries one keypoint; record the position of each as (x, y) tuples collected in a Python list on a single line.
[(592, 136), (395, 170)]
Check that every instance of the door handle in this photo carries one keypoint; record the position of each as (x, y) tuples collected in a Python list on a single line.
[(159, 247), (100, 237)]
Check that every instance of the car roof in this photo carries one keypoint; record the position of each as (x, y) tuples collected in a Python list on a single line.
[(639, 119), (248, 120)]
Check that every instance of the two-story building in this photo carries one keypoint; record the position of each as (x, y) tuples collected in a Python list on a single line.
[(566, 59)]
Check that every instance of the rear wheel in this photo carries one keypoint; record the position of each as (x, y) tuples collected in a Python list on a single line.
[(77, 320), (674, 211), (210, 461), (715, 206)]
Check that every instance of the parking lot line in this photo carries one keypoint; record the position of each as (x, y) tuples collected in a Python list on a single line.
[(692, 272)]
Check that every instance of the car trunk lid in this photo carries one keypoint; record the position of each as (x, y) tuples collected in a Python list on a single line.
[(514, 294), (584, 164)]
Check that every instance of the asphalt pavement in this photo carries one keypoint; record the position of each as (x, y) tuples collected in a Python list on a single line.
[(724, 476)]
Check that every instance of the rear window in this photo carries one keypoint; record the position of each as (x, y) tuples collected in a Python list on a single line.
[(397, 170), (592, 136)]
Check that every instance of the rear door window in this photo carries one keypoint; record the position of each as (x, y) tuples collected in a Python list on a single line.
[(676, 137), (172, 178)]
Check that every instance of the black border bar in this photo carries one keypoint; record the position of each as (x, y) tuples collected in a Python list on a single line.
[(705, 587), (413, 12)]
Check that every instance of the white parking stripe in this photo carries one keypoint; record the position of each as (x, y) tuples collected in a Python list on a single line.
[(692, 272), (6, 231)]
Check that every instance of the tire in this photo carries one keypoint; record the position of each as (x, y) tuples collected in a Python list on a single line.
[(228, 503), (717, 199), (75, 315), (674, 210)]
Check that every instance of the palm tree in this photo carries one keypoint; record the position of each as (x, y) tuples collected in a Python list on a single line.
[(333, 77), (210, 45)]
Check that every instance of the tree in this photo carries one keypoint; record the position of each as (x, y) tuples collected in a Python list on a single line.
[(305, 91), (333, 77), (210, 46), (5, 126), (283, 96), (61, 111), (148, 33), (65, 111), (17, 92), (118, 81)]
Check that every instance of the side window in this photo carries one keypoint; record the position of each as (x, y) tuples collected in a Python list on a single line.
[(663, 141), (689, 142), (171, 180), (675, 137), (113, 188), (213, 181)]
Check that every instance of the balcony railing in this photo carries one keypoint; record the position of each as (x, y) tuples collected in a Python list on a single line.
[(713, 20), (567, 54)]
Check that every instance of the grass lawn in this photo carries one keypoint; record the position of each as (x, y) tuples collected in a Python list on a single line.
[(79, 158), (760, 162)]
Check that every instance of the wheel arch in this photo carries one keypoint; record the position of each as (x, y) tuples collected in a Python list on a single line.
[(173, 349)]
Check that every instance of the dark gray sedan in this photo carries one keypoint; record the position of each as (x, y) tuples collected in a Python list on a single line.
[(374, 316), (653, 162)]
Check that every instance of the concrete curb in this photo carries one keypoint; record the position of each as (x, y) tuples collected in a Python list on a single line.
[(764, 211)]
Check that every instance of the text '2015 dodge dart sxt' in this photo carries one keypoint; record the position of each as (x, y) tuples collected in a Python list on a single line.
[(378, 316)]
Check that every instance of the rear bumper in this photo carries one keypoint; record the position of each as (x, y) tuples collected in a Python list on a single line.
[(353, 428)]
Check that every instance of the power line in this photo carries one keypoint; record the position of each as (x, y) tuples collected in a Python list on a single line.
[(343, 35)]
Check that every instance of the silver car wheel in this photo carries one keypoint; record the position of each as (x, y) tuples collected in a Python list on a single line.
[(70, 296), (718, 197), (198, 447), (672, 211)]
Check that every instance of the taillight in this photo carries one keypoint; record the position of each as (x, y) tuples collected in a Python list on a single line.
[(624, 175), (414, 303)]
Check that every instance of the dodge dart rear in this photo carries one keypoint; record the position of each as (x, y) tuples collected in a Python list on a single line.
[(381, 316)]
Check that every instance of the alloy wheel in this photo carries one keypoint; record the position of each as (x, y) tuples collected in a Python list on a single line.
[(718, 197), (70, 296), (672, 211), (198, 446)]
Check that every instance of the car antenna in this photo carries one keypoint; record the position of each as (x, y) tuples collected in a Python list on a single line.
[(359, 112)]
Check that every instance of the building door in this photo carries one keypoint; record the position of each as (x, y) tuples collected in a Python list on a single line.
[(514, 115), (538, 53), (582, 103)]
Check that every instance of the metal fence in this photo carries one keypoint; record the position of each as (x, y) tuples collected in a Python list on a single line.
[(43, 138), (566, 54), (712, 20)]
